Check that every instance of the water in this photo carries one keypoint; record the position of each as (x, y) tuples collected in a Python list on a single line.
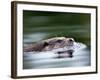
[(49, 59)]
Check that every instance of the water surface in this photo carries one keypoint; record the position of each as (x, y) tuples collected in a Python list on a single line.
[(50, 59)]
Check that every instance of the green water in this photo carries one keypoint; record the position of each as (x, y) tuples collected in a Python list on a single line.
[(39, 25)]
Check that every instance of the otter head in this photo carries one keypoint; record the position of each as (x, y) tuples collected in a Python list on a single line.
[(69, 41), (58, 42)]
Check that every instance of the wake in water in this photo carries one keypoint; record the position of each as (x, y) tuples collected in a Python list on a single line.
[(80, 56), (67, 51), (55, 52)]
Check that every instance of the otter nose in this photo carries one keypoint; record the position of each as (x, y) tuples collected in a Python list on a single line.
[(71, 40)]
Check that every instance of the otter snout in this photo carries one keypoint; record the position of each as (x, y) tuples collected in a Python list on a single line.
[(70, 41)]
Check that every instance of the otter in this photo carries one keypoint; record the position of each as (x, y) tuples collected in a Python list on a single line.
[(50, 44)]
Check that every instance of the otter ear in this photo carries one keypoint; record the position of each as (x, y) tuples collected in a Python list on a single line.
[(45, 44)]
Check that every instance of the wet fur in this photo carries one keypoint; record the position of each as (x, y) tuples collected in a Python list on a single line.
[(49, 44)]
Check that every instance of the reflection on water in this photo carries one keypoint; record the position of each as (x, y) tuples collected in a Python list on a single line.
[(50, 59)]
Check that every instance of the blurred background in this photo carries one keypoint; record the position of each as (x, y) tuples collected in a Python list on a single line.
[(39, 25)]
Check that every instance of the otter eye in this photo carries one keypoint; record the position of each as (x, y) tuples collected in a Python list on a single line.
[(59, 41)]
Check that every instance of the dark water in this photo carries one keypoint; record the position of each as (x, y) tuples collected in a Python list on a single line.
[(39, 25)]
